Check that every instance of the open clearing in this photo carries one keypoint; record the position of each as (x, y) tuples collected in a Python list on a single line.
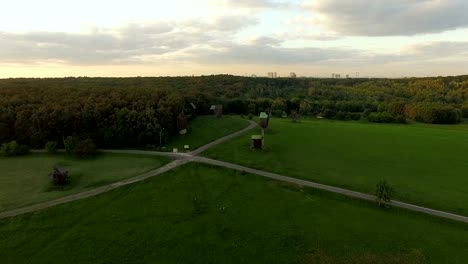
[(204, 129), (25, 180), (426, 164), (203, 214)]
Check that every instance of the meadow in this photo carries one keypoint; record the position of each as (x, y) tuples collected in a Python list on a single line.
[(204, 129), (203, 214), (25, 180), (426, 164)]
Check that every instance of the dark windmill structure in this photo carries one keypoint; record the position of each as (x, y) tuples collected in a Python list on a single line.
[(258, 141), (264, 119), (182, 122)]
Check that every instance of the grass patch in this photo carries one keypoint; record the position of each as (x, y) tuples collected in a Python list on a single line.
[(203, 214), (426, 164), (25, 180), (205, 129)]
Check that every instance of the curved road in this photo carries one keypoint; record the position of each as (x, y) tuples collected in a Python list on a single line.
[(183, 158)]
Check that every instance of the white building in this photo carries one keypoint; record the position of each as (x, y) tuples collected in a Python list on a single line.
[(272, 75), (336, 75)]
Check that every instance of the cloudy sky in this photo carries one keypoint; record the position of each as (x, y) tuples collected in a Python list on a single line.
[(375, 38)]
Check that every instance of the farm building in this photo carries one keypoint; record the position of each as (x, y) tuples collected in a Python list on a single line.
[(257, 141)]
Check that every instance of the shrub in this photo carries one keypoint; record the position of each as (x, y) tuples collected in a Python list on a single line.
[(13, 149), (383, 117), (465, 111), (400, 119), (367, 112), (51, 147), (70, 144), (342, 115), (277, 113), (22, 150), (250, 116), (434, 113), (9, 149), (383, 192), (355, 116), (79, 148), (85, 148), (328, 113)]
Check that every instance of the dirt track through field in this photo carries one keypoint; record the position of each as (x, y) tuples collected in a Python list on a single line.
[(183, 158)]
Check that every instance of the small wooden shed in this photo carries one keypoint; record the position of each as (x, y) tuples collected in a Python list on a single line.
[(60, 176), (257, 141)]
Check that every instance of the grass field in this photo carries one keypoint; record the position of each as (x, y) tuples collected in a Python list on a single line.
[(427, 165), (202, 214), (204, 129), (25, 180)]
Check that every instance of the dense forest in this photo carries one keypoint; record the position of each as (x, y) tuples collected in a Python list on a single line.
[(131, 112)]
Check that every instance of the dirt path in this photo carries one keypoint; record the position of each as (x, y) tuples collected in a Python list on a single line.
[(93, 192), (183, 158), (329, 188)]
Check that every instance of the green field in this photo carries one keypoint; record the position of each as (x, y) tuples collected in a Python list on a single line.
[(202, 214), (204, 129), (427, 165), (25, 180)]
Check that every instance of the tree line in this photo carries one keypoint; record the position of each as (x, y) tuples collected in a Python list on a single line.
[(131, 112)]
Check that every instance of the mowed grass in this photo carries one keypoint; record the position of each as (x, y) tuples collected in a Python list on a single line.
[(205, 129), (25, 180), (427, 165), (202, 214)]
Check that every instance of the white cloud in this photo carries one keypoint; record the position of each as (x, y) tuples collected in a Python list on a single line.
[(395, 17), (117, 45)]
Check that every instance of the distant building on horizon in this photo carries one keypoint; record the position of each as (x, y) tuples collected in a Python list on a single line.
[(292, 75), (272, 75), (336, 75)]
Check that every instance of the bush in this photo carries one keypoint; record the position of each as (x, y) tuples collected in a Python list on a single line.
[(367, 112), (400, 119), (250, 116), (465, 111), (13, 149), (277, 113), (383, 192), (355, 116), (328, 113), (70, 144), (85, 148), (342, 115), (79, 148), (9, 149), (434, 113), (22, 150), (51, 147), (383, 117)]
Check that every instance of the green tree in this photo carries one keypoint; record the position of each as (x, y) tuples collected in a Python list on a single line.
[(383, 192)]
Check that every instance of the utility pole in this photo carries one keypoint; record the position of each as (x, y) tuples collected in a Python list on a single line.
[(160, 136)]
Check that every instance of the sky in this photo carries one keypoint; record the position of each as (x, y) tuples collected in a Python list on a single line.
[(313, 38)]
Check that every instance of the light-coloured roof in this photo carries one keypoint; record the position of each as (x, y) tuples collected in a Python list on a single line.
[(263, 115)]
